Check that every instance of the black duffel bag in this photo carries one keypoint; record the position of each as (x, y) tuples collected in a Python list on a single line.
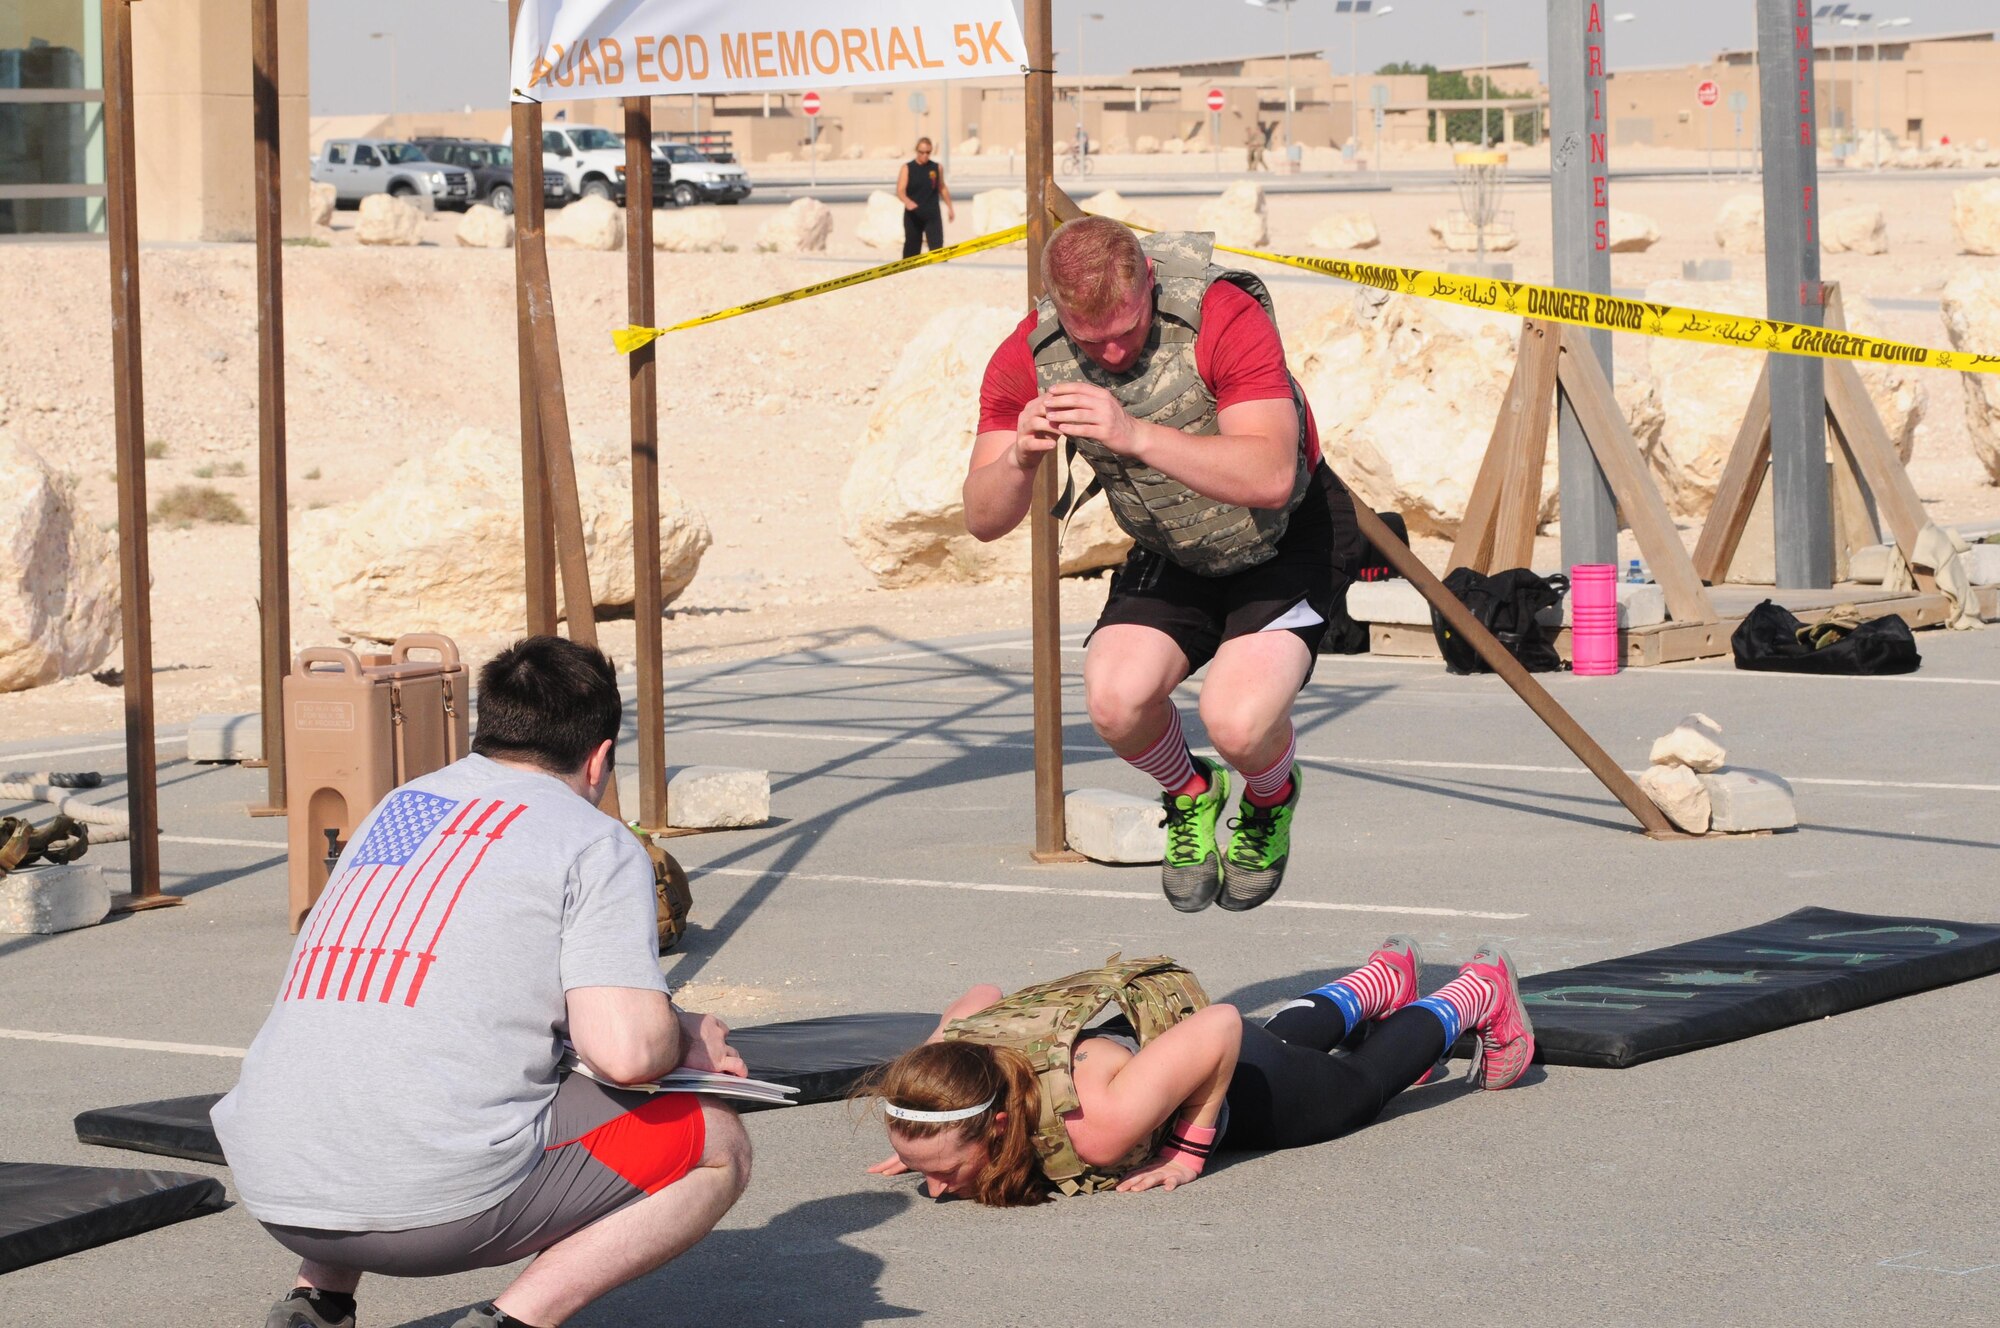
[(1505, 604), (1770, 639)]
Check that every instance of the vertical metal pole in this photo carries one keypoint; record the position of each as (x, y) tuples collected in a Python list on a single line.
[(1580, 184), (1792, 293), (274, 564), (1045, 613), (539, 548), (647, 610), (128, 383), (1875, 77)]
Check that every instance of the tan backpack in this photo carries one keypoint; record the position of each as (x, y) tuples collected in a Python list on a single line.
[(1042, 1023)]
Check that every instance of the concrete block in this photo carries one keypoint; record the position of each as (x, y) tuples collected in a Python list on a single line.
[(1394, 601), (1640, 604), (51, 897), (1869, 564), (1741, 801), (226, 738), (1983, 564), (1109, 826), (713, 797)]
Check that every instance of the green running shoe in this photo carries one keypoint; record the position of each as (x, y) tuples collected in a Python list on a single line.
[(1260, 841), (1191, 872)]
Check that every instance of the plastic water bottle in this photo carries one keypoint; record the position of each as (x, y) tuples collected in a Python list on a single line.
[(1635, 573)]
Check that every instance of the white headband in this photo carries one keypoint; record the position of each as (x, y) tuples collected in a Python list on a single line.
[(937, 1117)]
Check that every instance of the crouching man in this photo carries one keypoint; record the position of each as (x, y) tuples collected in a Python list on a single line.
[(401, 1113)]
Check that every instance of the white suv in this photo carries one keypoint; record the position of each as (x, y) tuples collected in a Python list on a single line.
[(590, 161), (693, 178)]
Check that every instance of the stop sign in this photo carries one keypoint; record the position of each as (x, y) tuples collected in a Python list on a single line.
[(810, 103), (1215, 99), (1708, 94)]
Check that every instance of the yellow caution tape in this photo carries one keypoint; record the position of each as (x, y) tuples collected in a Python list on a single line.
[(1527, 300), (1520, 298), (629, 339)]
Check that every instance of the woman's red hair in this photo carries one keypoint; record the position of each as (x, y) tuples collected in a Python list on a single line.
[(949, 1076)]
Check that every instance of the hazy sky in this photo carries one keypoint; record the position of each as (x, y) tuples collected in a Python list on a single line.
[(453, 53)]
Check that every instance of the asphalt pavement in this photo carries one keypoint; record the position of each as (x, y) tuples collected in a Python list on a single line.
[(1835, 1173)]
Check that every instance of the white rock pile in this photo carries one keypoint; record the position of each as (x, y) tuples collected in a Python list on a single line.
[(1689, 781)]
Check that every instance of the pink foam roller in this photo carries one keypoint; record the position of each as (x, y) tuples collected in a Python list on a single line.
[(1593, 632)]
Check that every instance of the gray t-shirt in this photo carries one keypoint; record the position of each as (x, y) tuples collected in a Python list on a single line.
[(405, 1074)]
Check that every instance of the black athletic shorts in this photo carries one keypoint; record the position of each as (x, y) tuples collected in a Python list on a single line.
[(1316, 560)]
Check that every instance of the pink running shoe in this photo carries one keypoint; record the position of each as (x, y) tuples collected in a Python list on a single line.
[(1506, 1037), (1404, 959)]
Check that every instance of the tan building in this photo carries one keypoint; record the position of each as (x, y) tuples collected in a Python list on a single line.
[(191, 81), (1920, 90)]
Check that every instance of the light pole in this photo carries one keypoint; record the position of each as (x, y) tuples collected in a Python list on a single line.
[(1080, 18), (390, 37), (1485, 138), (1286, 7), (1354, 9), (1875, 73)]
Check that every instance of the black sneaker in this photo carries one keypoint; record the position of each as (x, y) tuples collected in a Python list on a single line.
[(308, 1307)]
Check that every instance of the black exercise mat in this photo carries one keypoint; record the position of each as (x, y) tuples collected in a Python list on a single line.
[(177, 1127), (823, 1058), (48, 1211), (1806, 965)]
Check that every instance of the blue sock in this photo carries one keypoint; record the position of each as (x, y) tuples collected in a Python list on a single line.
[(1447, 1014), (1344, 997)]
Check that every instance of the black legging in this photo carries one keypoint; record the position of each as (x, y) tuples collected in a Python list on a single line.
[(921, 225), (1289, 1091)]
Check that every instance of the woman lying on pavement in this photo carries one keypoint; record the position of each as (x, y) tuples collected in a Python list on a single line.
[(1009, 1100)]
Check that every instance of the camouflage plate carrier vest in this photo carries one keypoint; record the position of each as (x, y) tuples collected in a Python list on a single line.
[(1162, 514), (1042, 1023)]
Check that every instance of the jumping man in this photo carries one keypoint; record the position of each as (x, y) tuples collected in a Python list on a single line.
[(1165, 371)]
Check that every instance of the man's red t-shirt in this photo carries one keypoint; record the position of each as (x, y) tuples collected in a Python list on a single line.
[(1237, 353)]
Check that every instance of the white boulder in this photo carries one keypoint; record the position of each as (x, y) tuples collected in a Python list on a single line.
[(58, 575), (901, 509), (1632, 232), (1344, 231), (1145, 144), (1680, 793), (1419, 385), (1692, 743), (386, 219), (321, 203), (1975, 217), (802, 228), (1861, 229), (1739, 225), (1972, 321), (699, 230), (1699, 392), (1110, 203), (484, 227), (1237, 217), (588, 223), (377, 570), (997, 209), (1454, 233), (881, 224), (969, 147)]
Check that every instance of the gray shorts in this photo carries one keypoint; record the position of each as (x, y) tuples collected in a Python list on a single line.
[(608, 1148)]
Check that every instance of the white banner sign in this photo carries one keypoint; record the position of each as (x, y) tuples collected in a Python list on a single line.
[(569, 50)]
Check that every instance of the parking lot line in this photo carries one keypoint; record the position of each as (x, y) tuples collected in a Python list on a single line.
[(124, 1044), (1069, 892)]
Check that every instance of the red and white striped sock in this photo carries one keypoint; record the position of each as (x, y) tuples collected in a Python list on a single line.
[(1269, 787), (1374, 984), (1470, 996), (1169, 761)]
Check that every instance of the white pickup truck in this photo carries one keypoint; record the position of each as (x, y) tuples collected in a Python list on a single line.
[(591, 163)]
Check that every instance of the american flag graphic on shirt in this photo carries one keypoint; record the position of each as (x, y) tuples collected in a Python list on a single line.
[(374, 934)]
